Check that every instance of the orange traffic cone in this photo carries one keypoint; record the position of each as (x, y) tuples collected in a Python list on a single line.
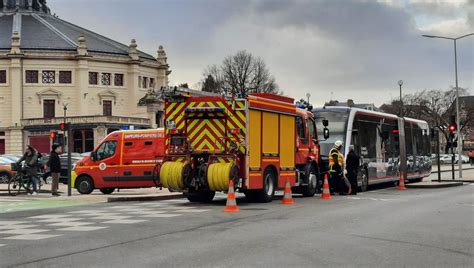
[(326, 193), (401, 184), (231, 205), (287, 197)]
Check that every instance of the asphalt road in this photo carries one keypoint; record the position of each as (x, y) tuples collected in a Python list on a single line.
[(381, 228)]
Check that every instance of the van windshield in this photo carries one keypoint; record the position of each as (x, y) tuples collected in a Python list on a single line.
[(106, 150), (337, 128)]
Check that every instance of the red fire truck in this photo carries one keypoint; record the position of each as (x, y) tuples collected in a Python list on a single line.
[(259, 142)]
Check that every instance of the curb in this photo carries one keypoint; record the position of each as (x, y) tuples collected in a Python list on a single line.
[(466, 181), (433, 186), (450, 170), (144, 198)]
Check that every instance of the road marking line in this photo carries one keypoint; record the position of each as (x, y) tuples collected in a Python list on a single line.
[(51, 216), (23, 231), (12, 200), (191, 210), (19, 226), (370, 198), (60, 220), (147, 212), (70, 224), (30, 237), (83, 228), (183, 208), (88, 211), (162, 215), (124, 221), (108, 217), (2, 245), (8, 223)]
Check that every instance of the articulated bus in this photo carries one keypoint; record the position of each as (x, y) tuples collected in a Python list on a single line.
[(376, 138)]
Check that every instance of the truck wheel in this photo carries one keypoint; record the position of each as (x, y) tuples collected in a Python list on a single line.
[(84, 185), (365, 181), (310, 189), (266, 194), (107, 190), (200, 196)]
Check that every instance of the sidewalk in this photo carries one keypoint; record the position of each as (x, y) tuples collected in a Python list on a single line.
[(447, 167), (96, 196)]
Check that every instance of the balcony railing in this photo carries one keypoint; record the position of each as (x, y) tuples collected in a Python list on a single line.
[(81, 120)]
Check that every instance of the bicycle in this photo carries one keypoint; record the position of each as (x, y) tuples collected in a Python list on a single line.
[(21, 180)]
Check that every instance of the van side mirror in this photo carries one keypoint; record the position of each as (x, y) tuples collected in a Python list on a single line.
[(94, 156), (326, 133), (325, 122)]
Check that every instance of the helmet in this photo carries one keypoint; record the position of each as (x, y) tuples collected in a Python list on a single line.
[(338, 144)]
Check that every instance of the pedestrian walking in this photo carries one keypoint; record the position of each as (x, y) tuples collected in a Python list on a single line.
[(337, 181), (352, 168), (54, 164), (31, 159)]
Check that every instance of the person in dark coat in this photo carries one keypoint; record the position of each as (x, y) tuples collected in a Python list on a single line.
[(352, 168), (31, 159), (54, 164)]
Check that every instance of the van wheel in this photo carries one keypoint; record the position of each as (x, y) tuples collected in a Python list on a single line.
[(200, 196), (266, 194), (107, 190), (84, 185)]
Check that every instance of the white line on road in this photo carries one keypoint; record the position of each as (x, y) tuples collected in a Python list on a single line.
[(369, 198)]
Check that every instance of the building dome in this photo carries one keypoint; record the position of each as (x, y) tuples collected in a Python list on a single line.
[(38, 30)]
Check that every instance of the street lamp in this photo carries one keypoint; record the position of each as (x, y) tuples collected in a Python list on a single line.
[(308, 96), (400, 83), (457, 95)]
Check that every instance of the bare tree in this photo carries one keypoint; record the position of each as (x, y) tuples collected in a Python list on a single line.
[(436, 107), (239, 75)]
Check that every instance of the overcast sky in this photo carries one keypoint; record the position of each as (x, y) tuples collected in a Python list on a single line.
[(344, 49)]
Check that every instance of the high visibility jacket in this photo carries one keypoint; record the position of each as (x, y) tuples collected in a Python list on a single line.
[(336, 161)]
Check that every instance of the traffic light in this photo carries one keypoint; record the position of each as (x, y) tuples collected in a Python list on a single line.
[(64, 126), (53, 135), (452, 127)]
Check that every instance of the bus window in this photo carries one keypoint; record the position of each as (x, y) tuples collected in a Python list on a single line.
[(300, 129)]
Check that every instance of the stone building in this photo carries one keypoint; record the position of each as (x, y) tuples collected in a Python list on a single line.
[(47, 64)]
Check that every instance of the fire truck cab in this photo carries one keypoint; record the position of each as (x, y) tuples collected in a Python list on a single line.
[(259, 142), (124, 159)]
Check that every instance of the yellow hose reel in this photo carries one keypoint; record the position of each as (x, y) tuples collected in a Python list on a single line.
[(219, 175), (172, 174)]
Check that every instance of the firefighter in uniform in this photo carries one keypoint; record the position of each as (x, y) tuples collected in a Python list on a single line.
[(337, 181), (336, 167)]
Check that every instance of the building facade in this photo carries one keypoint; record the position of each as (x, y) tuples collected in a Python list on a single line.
[(50, 68)]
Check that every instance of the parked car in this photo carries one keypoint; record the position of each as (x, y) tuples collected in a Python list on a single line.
[(464, 159), (445, 159), (63, 174), (6, 160), (12, 157), (5, 172)]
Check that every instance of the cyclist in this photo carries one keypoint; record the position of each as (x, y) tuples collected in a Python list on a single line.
[(31, 159)]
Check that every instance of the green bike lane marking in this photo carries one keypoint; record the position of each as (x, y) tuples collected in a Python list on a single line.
[(22, 205)]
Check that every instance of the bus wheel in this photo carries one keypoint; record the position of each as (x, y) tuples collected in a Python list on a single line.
[(107, 190), (266, 194), (310, 189), (84, 185), (200, 196), (365, 181)]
